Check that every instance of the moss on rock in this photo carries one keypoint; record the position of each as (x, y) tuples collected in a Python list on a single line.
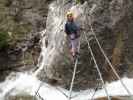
[(3, 39), (22, 97)]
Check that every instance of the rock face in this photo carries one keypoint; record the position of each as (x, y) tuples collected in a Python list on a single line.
[(115, 98), (112, 24), (21, 97), (111, 21), (22, 20)]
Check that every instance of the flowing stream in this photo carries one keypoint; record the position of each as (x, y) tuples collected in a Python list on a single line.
[(28, 84)]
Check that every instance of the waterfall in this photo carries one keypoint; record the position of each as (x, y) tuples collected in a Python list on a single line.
[(53, 41), (55, 25)]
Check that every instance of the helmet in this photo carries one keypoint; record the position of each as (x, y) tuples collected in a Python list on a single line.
[(69, 13)]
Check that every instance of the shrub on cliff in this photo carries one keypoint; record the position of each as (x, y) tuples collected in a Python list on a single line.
[(80, 1), (3, 39)]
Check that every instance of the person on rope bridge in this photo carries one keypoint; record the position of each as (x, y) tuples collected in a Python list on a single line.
[(72, 31)]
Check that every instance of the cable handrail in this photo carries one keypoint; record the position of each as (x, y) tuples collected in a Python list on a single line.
[(96, 65), (94, 92), (37, 92), (107, 59)]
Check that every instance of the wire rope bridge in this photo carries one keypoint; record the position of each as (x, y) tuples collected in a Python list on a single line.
[(95, 62), (96, 66)]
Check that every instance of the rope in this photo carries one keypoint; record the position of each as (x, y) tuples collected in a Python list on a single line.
[(66, 94), (62, 92), (73, 77), (37, 94), (93, 94), (100, 75), (95, 91), (107, 59)]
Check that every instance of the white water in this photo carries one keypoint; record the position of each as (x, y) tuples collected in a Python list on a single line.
[(29, 84)]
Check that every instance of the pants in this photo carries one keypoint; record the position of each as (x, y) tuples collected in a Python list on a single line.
[(73, 43)]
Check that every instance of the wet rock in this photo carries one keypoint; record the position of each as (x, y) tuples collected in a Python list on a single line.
[(21, 97), (115, 98), (111, 21), (23, 20)]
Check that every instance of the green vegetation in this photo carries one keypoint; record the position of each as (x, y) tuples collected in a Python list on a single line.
[(78, 1), (3, 39), (22, 97), (118, 50), (8, 23)]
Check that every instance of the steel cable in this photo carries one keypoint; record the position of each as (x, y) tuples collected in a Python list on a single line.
[(100, 75), (107, 59)]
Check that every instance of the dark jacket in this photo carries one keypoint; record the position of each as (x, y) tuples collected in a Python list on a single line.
[(71, 28)]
